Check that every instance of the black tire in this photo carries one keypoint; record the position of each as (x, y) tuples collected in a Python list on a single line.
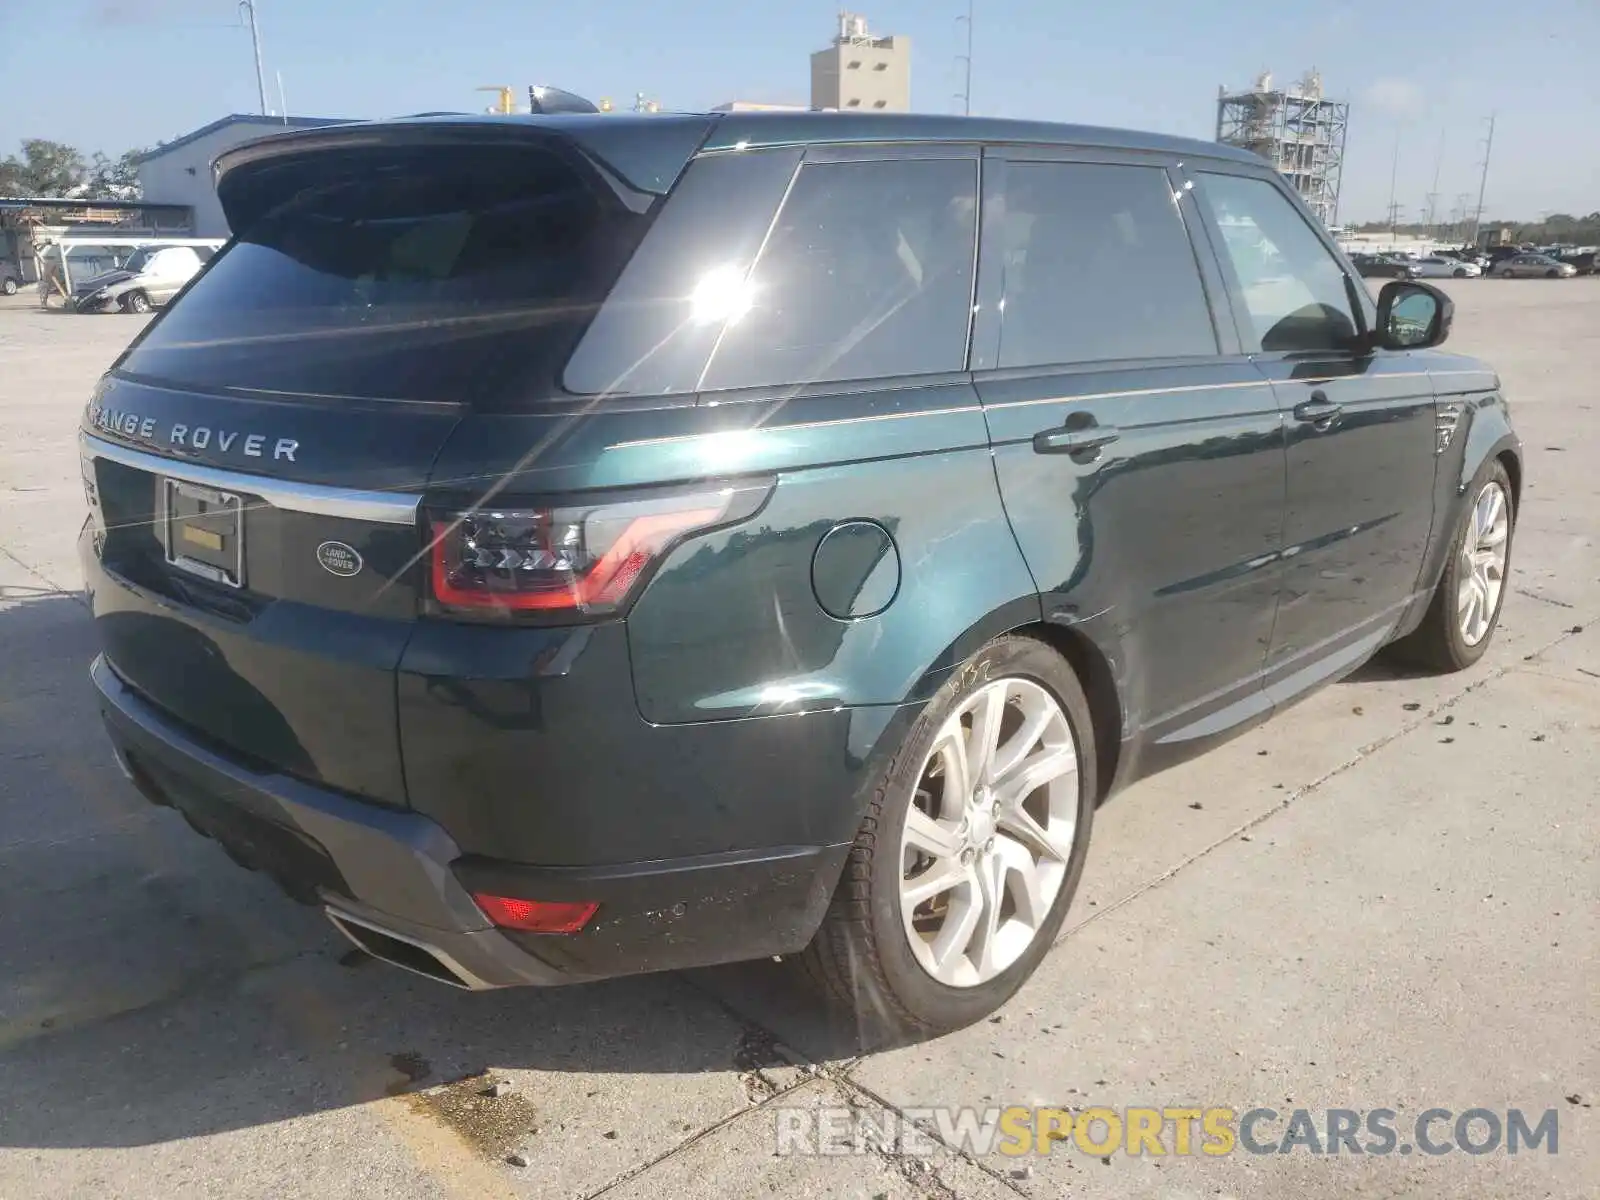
[(1552, 274), (136, 302), (1459, 273), (9, 286), (860, 958), (1438, 643)]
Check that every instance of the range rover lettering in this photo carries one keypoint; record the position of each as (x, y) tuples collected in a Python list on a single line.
[(570, 545)]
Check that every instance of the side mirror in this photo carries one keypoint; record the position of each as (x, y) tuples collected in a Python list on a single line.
[(1412, 316)]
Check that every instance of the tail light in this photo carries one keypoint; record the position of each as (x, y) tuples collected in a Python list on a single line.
[(571, 560), (536, 916)]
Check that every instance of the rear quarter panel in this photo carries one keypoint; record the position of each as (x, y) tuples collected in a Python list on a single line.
[(730, 626)]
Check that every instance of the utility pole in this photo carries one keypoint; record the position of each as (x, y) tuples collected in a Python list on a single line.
[(1433, 196), (966, 59), (1483, 182), (1394, 171), (249, 7), (1463, 201)]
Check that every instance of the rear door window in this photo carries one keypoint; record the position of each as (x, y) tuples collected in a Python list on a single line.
[(867, 273), (439, 274), (1097, 266)]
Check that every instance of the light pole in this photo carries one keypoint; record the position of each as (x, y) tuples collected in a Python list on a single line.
[(966, 59), (249, 7)]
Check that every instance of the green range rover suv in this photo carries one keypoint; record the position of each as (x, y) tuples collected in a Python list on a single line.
[(574, 545)]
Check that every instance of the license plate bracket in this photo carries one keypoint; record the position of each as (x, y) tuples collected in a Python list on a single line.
[(203, 531)]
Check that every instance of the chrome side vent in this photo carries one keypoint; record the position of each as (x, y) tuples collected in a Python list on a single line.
[(1447, 417)]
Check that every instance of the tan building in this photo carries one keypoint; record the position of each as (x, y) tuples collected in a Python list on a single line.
[(860, 72)]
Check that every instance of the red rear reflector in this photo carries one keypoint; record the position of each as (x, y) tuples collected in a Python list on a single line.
[(536, 916)]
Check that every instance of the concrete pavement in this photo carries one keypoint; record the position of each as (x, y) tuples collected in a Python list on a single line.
[(1387, 897)]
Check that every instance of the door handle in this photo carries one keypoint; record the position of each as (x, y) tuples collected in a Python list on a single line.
[(1319, 410), (1075, 441)]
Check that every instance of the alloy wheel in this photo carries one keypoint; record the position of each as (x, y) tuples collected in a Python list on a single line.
[(1483, 563), (989, 832)]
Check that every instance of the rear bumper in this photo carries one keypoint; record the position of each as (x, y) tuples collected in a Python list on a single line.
[(398, 885)]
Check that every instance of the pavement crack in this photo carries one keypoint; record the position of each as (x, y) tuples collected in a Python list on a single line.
[(70, 594), (911, 1166), (1543, 599), (678, 1148)]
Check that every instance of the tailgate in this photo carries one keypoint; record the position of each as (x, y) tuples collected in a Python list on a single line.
[(266, 613), (255, 461)]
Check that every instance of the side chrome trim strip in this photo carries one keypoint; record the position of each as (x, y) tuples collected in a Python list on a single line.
[(380, 508), (1079, 397), (712, 435)]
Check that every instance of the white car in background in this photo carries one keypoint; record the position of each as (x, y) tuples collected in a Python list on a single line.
[(154, 275), (1437, 266)]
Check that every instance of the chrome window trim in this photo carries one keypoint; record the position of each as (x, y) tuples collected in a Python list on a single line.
[(381, 508)]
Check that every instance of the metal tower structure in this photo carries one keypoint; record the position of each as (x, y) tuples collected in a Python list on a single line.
[(1299, 131)]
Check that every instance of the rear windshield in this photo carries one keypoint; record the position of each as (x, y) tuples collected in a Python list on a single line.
[(453, 274)]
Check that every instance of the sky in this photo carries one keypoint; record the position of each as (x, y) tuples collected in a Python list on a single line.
[(110, 75)]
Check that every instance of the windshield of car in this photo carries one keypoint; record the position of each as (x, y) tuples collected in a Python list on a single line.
[(409, 276), (139, 259)]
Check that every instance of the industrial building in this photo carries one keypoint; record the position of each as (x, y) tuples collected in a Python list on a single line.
[(861, 72), (1299, 131), (179, 172)]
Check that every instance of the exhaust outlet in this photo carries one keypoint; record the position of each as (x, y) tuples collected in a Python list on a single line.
[(403, 951)]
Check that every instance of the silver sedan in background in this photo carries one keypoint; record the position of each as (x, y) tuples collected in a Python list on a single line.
[(1438, 266), (1533, 265)]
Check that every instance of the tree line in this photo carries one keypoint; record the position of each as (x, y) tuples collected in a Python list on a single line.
[(46, 168)]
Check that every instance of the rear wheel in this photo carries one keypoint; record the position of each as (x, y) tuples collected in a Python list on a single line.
[(970, 850), (9, 286), (1466, 605), (136, 302)]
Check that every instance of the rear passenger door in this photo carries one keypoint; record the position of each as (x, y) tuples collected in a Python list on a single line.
[(1140, 454), (1361, 432)]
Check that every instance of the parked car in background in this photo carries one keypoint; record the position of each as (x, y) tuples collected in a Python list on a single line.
[(150, 278), (1437, 266), (117, 264), (1527, 266), (562, 549), (1383, 266), (1499, 254), (1584, 262)]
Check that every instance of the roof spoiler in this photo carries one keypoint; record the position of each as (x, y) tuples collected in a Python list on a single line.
[(253, 178)]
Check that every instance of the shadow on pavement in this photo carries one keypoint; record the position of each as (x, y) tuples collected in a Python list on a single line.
[(152, 990)]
